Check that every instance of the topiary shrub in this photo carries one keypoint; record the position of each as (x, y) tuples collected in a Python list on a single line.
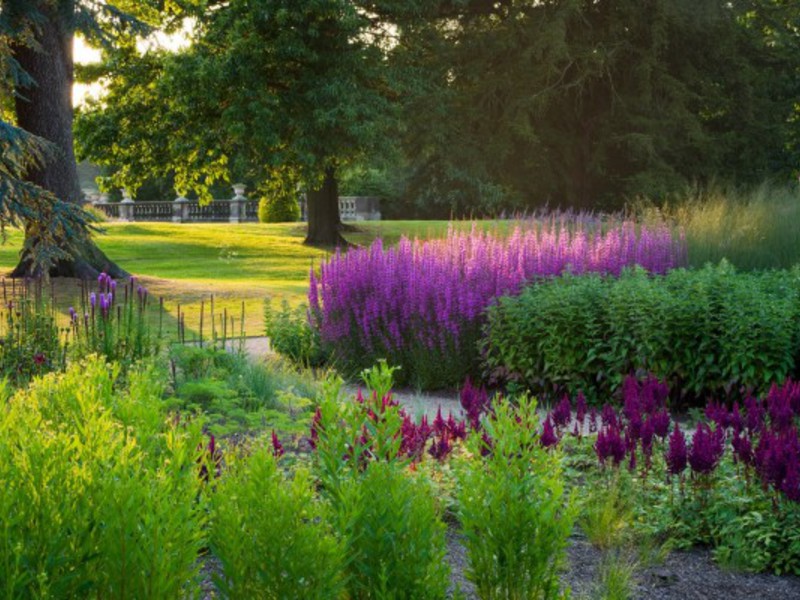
[(278, 208)]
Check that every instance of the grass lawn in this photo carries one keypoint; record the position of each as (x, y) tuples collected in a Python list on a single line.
[(187, 263)]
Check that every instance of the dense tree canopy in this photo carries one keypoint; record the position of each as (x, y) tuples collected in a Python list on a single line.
[(478, 106)]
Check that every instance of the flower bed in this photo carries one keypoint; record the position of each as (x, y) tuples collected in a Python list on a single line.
[(421, 304)]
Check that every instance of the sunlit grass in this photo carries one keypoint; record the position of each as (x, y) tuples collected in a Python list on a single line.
[(753, 229)]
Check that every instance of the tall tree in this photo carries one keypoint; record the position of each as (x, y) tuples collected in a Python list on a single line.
[(41, 34), (285, 92), (576, 102)]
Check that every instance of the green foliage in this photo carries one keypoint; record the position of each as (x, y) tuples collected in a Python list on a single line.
[(236, 394), (120, 516), (606, 513), (291, 335), (711, 331), (583, 104), (513, 509), (615, 579), (261, 121), (271, 533), (387, 515), (282, 208)]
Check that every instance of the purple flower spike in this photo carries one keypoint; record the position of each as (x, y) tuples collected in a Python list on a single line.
[(707, 448), (93, 299), (277, 447), (676, 452), (548, 439)]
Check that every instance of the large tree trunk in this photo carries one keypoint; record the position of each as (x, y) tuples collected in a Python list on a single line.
[(322, 208), (45, 109)]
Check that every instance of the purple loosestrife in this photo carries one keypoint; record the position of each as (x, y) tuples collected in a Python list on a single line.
[(580, 408), (676, 456), (376, 301), (706, 449)]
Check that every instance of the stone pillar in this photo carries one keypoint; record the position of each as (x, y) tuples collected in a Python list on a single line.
[(180, 210), (237, 203), (126, 207)]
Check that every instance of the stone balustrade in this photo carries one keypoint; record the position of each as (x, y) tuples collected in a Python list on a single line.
[(238, 209)]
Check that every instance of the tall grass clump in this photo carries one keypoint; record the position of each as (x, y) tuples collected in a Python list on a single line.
[(513, 509), (753, 229), (420, 304), (98, 490)]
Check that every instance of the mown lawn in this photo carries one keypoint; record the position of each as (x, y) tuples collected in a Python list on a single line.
[(188, 263)]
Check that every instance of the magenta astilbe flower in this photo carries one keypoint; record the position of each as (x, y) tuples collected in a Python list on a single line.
[(456, 429), (736, 420), (475, 402), (441, 448), (439, 424), (661, 422), (610, 444), (755, 413), (676, 456), (717, 413), (548, 437), (791, 482), (779, 408), (580, 408), (609, 416), (277, 447), (742, 449), (316, 425), (562, 412), (706, 449)]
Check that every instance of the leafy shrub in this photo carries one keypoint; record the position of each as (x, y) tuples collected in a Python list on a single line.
[(513, 509), (278, 208), (707, 332), (289, 549), (92, 507), (421, 305), (291, 335), (388, 516)]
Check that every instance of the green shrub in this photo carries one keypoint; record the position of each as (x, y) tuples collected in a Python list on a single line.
[(93, 508), (707, 332), (279, 208), (272, 535), (513, 510), (291, 335), (387, 515)]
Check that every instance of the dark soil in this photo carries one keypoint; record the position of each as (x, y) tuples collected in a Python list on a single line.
[(680, 576)]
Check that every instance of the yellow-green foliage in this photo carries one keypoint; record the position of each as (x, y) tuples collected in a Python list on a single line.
[(98, 492), (606, 514), (271, 536), (753, 229), (514, 511)]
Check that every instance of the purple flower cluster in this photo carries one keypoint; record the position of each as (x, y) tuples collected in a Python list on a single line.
[(430, 296)]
